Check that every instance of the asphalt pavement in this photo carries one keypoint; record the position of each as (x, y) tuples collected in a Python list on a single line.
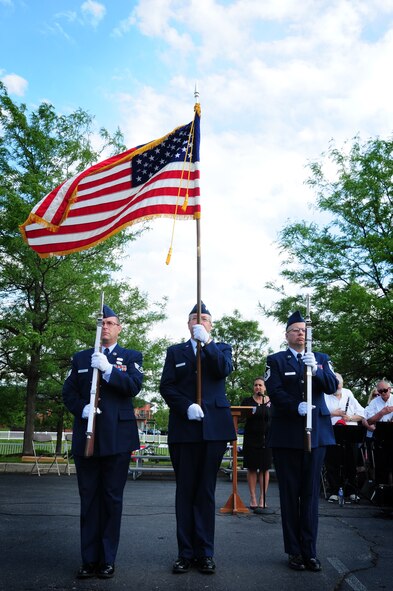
[(39, 523)]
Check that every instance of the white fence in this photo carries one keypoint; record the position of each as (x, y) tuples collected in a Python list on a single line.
[(13, 434), (11, 442), (8, 448), (18, 435)]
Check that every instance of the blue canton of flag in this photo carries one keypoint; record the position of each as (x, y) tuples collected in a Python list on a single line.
[(157, 179), (175, 148)]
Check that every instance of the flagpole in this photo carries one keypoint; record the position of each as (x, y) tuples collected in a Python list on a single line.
[(199, 305), (199, 298)]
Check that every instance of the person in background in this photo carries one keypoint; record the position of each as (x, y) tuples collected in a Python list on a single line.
[(257, 457), (341, 459), (369, 441), (370, 428), (380, 409), (197, 437), (102, 477), (373, 394), (298, 470)]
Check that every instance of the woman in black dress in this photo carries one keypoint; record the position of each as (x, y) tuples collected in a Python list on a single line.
[(257, 458)]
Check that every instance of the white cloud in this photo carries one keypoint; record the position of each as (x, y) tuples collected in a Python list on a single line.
[(153, 20), (58, 31), (153, 17), (278, 81), (93, 11), (69, 15), (15, 84), (124, 26)]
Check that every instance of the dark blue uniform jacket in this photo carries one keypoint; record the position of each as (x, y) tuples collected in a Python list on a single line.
[(116, 428), (285, 385), (178, 388)]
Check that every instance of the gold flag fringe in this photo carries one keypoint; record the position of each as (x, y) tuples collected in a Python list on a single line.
[(190, 145), (33, 218)]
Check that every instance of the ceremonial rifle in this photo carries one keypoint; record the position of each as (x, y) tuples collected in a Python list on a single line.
[(307, 444), (95, 388)]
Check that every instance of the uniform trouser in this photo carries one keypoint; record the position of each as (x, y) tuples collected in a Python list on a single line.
[(196, 466), (383, 454), (298, 473), (340, 463), (101, 482)]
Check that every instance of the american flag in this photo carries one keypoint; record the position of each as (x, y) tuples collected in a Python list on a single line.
[(160, 178)]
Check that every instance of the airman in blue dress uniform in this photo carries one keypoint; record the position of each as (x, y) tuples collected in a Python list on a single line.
[(102, 477), (298, 471), (197, 437)]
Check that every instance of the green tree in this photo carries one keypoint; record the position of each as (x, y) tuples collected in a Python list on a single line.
[(12, 406), (248, 353), (161, 419), (49, 305), (347, 262)]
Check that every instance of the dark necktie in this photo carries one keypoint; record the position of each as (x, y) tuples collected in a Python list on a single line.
[(299, 358), (106, 352)]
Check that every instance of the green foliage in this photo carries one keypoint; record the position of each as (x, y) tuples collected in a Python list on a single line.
[(49, 306), (12, 407), (248, 353), (348, 262), (161, 418)]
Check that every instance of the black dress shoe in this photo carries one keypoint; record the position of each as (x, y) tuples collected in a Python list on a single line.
[(313, 564), (106, 571), (206, 565), (296, 562), (87, 570), (181, 565)]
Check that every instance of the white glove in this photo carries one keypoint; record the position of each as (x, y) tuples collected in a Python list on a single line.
[(302, 408), (200, 333), (86, 411), (310, 361), (100, 361), (195, 413)]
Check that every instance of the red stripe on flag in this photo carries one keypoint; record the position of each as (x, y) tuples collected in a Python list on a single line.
[(104, 199)]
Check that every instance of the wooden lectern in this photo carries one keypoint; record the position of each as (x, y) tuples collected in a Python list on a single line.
[(234, 504)]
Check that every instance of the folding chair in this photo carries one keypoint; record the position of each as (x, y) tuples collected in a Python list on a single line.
[(323, 483), (44, 451)]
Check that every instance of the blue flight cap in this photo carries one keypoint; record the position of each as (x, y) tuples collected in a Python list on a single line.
[(108, 312), (295, 317), (204, 310)]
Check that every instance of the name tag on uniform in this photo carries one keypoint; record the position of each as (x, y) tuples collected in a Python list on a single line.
[(83, 370), (180, 364), (290, 373)]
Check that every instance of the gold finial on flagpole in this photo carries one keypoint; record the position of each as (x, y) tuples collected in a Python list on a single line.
[(197, 106)]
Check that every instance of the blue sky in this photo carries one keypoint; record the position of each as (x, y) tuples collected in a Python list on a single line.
[(278, 80)]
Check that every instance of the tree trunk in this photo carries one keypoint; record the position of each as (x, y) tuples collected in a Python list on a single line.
[(59, 429), (31, 396)]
